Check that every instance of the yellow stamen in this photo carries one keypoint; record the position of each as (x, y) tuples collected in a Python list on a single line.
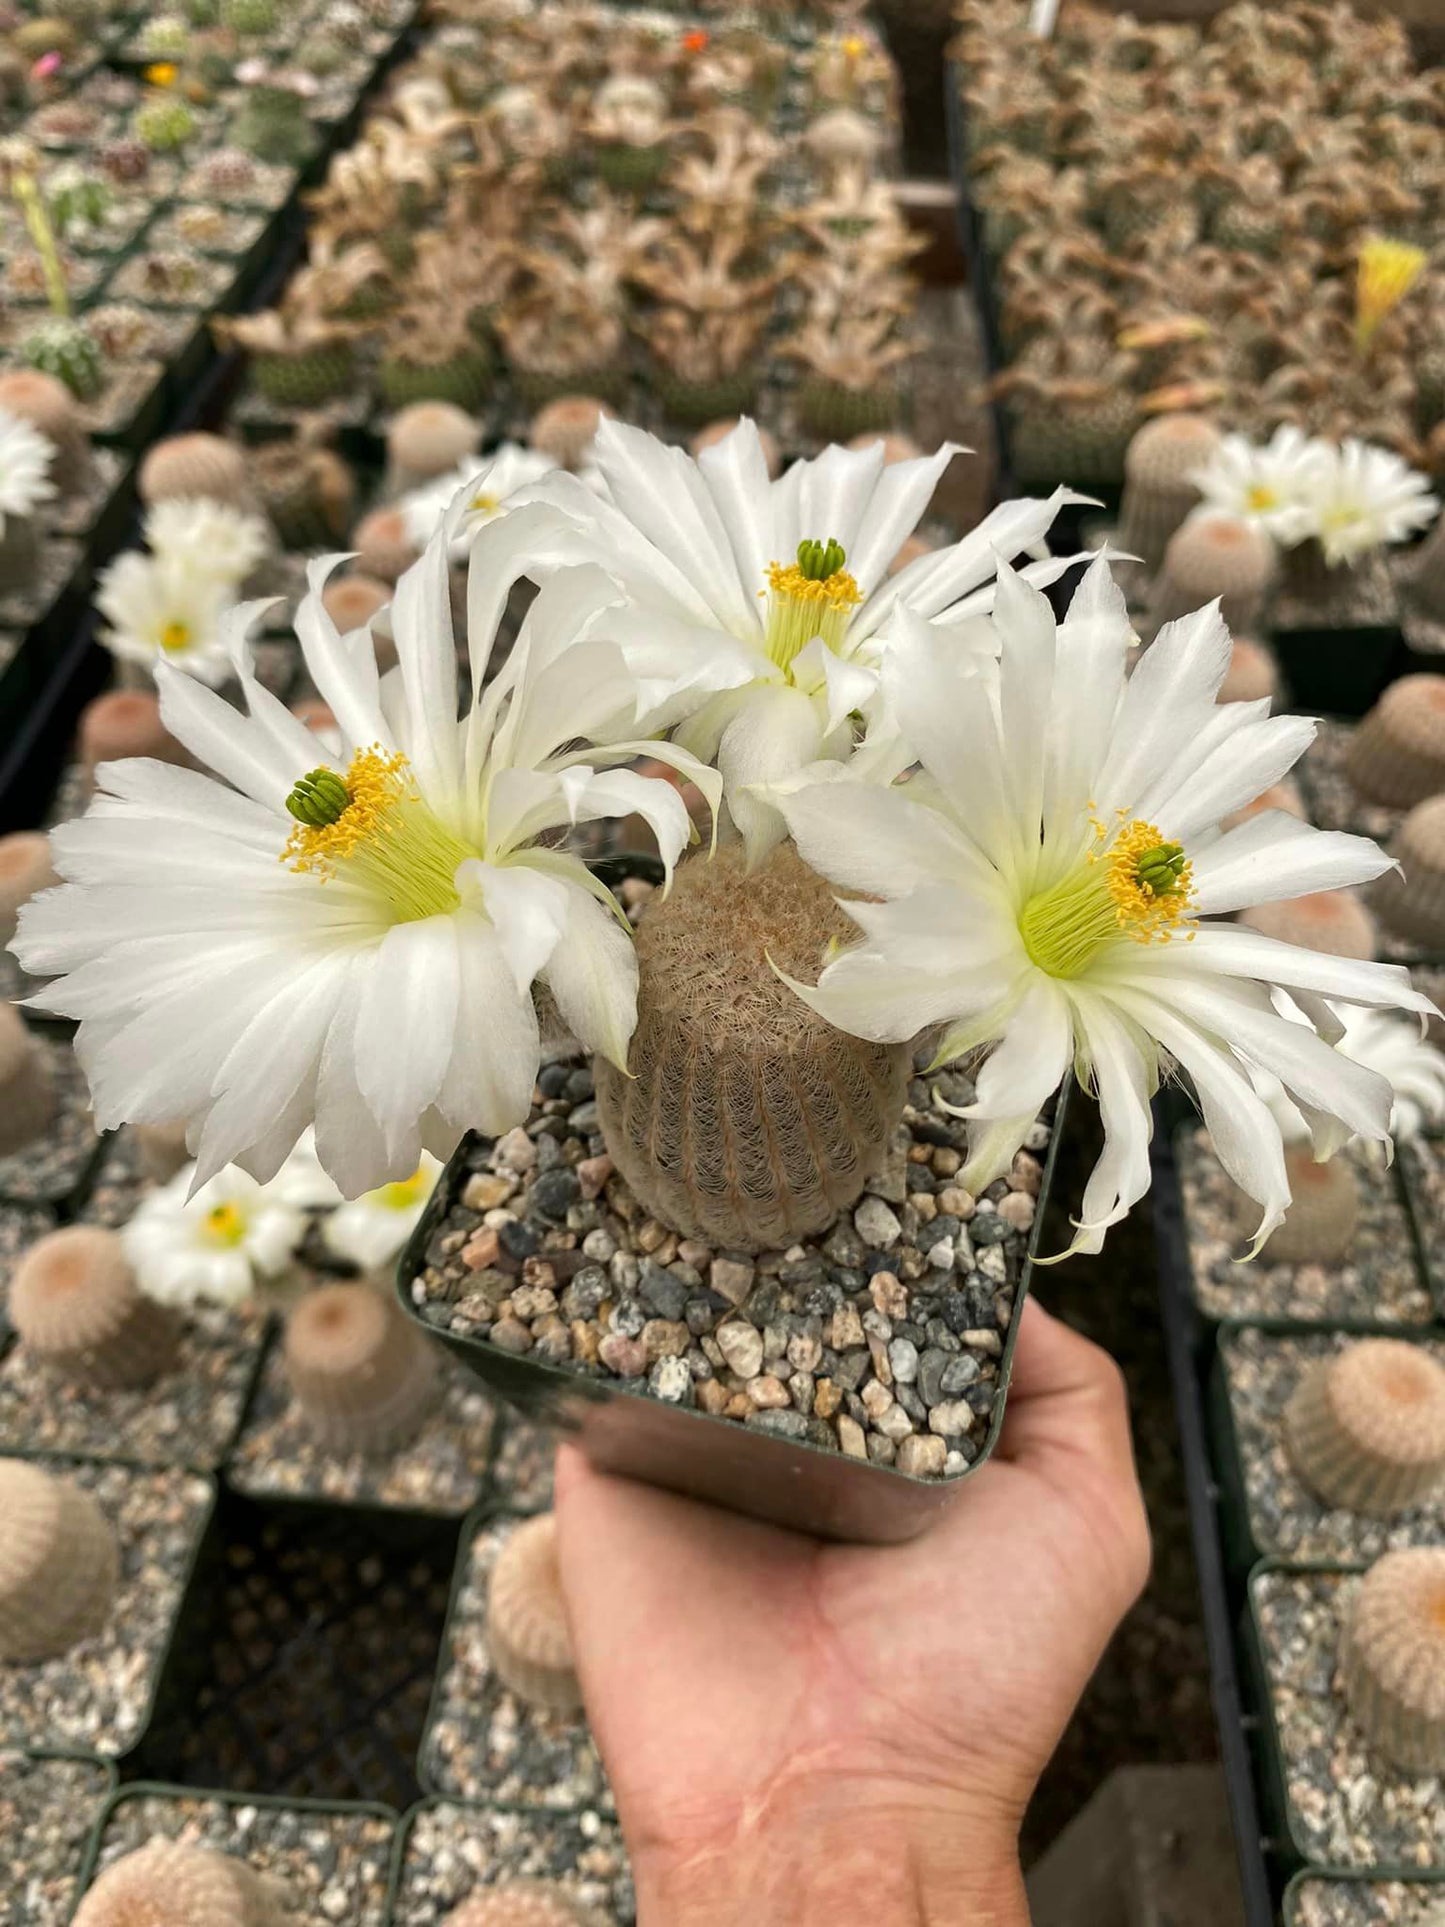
[(813, 596), (404, 1193), (1388, 271), (485, 504), (161, 73), (225, 1224), (386, 839), (1134, 885), (175, 635), (1260, 497)]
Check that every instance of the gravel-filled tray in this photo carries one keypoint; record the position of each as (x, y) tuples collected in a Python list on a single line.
[(1344, 1806), (187, 1417), (1334, 802), (1318, 1902), (1381, 1283), (523, 1463), (484, 1743), (441, 1471), (53, 1168), (881, 1338), (333, 1861), (1422, 1171), (75, 514), (449, 1852), (58, 561), (1261, 1371), (49, 1808), (20, 1226), (98, 1697)]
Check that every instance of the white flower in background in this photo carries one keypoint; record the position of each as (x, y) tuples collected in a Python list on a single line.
[(1272, 487), (214, 1246), (208, 537), (1366, 499), (165, 609), (1049, 887), (352, 939), (25, 458), (1390, 1045), (757, 612), (372, 1229), (489, 481), (301, 1179)]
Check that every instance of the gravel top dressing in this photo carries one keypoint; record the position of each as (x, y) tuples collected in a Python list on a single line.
[(96, 1697), (20, 1226), (452, 1852), (1380, 1284), (48, 1811), (1335, 804), (1365, 1903), (880, 1339), (1285, 1517), (52, 1168), (523, 1465), (483, 1742), (333, 1864), (1348, 1807)]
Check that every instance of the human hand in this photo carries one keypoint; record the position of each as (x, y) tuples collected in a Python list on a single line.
[(801, 1733)]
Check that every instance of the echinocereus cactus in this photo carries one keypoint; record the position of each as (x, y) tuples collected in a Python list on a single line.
[(27, 1084), (1392, 1658), (1411, 901), (363, 1374), (58, 1564), (169, 1883), (1397, 754), (75, 1303), (272, 125), (528, 1642), (1215, 555), (301, 356), (1159, 489), (1365, 1428), (196, 466), (523, 1903), (164, 123)]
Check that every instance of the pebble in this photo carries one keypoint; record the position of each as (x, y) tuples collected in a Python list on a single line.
[(742, 1347), (903, 1359), (623, 1355), (554, 1191), (731, 1278), (1018, 1209), (922, 1456), (846, 1329), (877, 1223), (788, 1425), (889, 1295), (665, 1338), (768, 1392), (515, 1151), (670, 1380), (481, 1252), (511, 1335), (952, 1418), (485, 1190), (957, 1202), (851, 1438)]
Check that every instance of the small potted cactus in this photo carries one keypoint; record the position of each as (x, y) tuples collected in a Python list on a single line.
[(705, 332), (302, 354)]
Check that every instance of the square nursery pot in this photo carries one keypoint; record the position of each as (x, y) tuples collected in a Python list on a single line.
[(780, 1480), (50, 1807), (1400, 1898), (446, 1852), (1337, 672), (334, 1855)]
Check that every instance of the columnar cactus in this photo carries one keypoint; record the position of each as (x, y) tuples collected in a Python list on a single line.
[(168, 1883), (75, 1303), (1397, 755), (1158, 493), (1215, 555), (1392, 1658), (527, 1637), (64, 348), (364, 1375), (58, 1563), (1365, 1428), (747, 1121), (27, 1085)]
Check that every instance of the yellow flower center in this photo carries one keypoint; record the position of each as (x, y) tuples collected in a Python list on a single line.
[(1260, 497), (225, 1225), (484, 504), (405, 1193), (175, 635), (372, 827), (813, 596), (1133, 885)]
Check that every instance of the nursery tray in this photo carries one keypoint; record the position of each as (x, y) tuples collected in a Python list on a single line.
[(1359, 1896), (1338, 672), (783, 1481), (480, 1846)]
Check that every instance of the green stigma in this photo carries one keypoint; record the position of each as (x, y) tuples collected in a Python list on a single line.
[(817, 561), (1161, 868), (318, 798)]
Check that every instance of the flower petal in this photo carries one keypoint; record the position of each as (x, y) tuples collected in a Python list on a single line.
[(593, 976), (1274, 856)]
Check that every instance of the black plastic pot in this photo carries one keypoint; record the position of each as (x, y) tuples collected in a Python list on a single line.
[(785, 1482), (1337, 672)]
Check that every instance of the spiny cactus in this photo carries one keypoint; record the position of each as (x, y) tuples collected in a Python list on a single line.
[(227, 173), (164, 124), (308, 378), (1158, 493), (523, 1903), (168, 1883), (58, 1563), (196, 466), (249, 18), (1365, 1428), (27, 1084), (747, 1121), (1253, 673), (1392, 1658), (49, 406), (272, 125), (352, 600), (308, 491), (125, 722), (566, 429), (25, 867), (383, 547), (428, 439), (64, 348), (1397, 755), (1324, 1213), (527, 1636), (161, 1149), (364, 1375), (1411, 900), (76, 1305), (1215, 555), (464, 379), (1334, 921)]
